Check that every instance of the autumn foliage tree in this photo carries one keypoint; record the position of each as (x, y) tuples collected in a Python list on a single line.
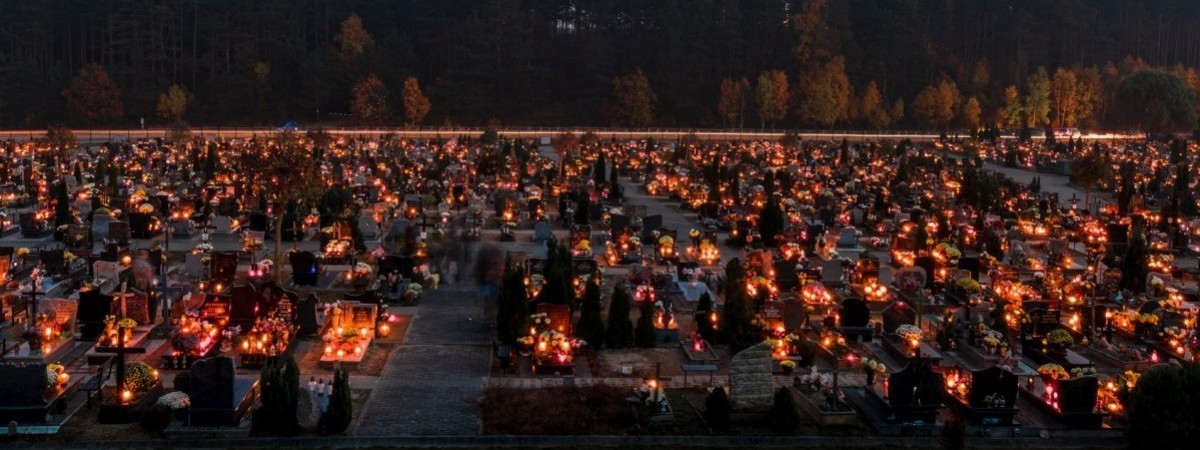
[(772, 94), (353, 36), (937, 104), (825, 94), (416, 104), (174, 103), (93, 96), (633, 100), (732, 102), (873, 109), (281, 170), (369, 99)]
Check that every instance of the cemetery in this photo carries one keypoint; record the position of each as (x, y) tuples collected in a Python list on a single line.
[(801, 299)]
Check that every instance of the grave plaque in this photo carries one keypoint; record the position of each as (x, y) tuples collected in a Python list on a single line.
[(137, 307), (107, 270), (63, 310), (363, 315), (559, 315)]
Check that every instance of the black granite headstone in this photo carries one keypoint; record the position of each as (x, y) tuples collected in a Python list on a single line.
[(785, 274), (93, 306), (916, 385), (218, 397), (990, 381), (304, 268), (929, 264), (855, 313), (306, 315), (1078, 395), (970, 263), (23, 385), (650, 224), (224, 266), (897, 314), (243, 304)]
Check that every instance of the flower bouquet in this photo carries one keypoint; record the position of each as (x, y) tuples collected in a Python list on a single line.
[(175, 400), (1053, 372), (1060, 338), (909, 333)]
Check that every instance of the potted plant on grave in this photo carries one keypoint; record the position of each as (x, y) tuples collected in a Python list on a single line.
[(1058, 340), (788, 366), (1052, 373), (872, 369)]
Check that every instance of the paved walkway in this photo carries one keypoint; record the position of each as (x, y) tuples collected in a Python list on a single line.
[(433, 381), (846, 378)]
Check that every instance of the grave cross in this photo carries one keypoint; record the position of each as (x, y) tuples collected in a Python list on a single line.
[(120, 350), (35, 289)]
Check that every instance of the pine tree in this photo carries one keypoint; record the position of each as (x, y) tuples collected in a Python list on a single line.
[(784, 416), (704, 324), (645, 335), (337, 416), (512, 307), (717, 410), (771, 221), (62, 206), (591, 324), (619, 331), (737, 311)]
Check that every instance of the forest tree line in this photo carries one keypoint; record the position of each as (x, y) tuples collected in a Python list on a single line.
[(863, 64)]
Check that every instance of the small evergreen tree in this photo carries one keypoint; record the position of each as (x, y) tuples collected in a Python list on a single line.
[(337, 416), (737, 313), (62, 206), (512, 307), (704, 324), (784, 416), (591, 325), (619, 333), (717, 410), (771, 221), (645, 335)]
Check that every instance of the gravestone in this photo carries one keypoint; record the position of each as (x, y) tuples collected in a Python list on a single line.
[(306, 315), (140, 225), (751, 387), (992, 381), (119, 232), (368, 227), (785, 274), (259, 222), (108, 270), (855, 315), (710, 210), (559, 315), (618, 223), (221, 225), (93, 306), (21, 393), (930, 266), (223, 266), (1043, 321), (53, 261), (62, 310), (911, 279), (1078, 395), (193, 265), (100, 231), (542, 232), (795, 314), (137, 307), (650, 224), (918, 385), (847, 238), (243, 307), (896, 314), (218, 397), (832, 273), (304, 268)]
